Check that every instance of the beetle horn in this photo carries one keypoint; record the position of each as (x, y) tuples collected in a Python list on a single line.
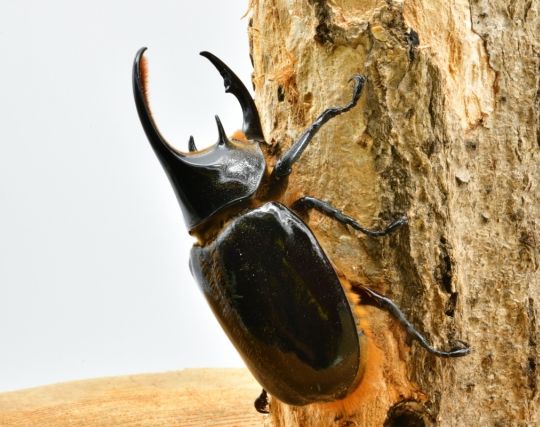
[(222, 135), (191, 145), (162, 148), (252, 124)]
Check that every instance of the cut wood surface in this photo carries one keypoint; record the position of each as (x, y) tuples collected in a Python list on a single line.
[(192, 397)]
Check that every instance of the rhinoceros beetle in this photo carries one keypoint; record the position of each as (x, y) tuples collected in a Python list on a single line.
[(261, 269)]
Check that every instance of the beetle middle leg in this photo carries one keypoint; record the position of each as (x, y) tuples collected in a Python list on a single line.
[(284, 164), (388, 305), (308, 202)]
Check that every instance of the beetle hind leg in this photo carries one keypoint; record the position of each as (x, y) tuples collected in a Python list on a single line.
[(261, 403), (308, 202), (388, 305)]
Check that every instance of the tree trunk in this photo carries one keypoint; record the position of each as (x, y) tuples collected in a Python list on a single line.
[(447, 132)]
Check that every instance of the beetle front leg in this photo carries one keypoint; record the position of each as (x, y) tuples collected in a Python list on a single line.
[(308, 202), (284, 164), (388, 305)]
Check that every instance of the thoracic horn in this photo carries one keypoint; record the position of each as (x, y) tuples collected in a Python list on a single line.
[(222, 135), (191, 144), (252, 124), (210, 180), (162, 148)]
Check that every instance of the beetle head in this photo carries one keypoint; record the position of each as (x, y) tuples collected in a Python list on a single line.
[(207, 181)]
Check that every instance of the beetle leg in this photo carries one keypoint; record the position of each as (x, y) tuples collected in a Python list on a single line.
[(284, 164), (388, 305), (308, 202), (261, 403)]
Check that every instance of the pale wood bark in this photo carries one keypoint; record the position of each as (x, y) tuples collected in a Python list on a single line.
[(193, 397), (448, 133)]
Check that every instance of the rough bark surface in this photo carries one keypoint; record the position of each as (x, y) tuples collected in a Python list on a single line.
[(447, 131)]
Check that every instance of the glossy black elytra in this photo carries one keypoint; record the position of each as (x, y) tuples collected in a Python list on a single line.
[(264, 274)]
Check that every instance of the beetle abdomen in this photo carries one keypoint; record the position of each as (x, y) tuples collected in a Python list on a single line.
[(280, 302)]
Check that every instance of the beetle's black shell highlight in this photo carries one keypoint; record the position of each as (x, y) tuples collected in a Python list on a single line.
[(280, 302)]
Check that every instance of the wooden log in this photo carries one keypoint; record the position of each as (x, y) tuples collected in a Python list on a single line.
[(192, 397)]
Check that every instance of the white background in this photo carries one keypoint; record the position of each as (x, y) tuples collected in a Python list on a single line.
[(94, 277)]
